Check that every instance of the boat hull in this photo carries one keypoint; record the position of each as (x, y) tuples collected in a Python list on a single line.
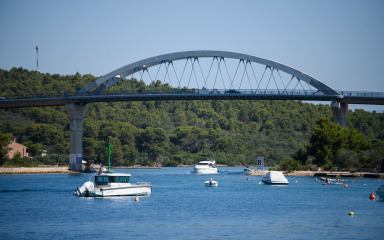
[(211, 184), (206, 170), (274, 182), (133, 190)]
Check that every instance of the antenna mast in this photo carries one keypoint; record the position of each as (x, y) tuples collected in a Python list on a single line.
[(37, 57)]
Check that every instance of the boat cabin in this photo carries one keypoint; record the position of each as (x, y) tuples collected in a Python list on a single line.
[(105, 179)]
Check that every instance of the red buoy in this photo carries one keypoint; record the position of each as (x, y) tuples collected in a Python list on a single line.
[(136, 199), (372, 197), (346, 185)]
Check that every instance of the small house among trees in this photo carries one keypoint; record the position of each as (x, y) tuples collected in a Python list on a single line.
[(15, 147)]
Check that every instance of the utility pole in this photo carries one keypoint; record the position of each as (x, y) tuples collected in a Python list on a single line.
[(37, 57)]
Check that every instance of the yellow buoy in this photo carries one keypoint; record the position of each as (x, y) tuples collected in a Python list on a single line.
[(351, 213), (259, 182)]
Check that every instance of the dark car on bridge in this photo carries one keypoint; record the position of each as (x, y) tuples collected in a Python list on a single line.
[(232, 91)]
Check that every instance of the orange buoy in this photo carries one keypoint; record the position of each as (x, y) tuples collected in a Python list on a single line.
[(346, 185), (353, 180), (372, 196), (136, 199)]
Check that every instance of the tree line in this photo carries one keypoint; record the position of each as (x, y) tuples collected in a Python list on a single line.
[(292, 134)]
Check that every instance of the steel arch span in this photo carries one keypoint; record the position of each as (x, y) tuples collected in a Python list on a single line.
[(113, 77)]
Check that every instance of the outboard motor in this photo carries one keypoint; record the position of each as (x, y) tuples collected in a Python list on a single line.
[(85, 189)]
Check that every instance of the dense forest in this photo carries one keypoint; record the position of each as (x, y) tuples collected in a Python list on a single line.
[(291, 134)]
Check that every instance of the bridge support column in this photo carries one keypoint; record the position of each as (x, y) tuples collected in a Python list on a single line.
[(76, 115), (340, 112)]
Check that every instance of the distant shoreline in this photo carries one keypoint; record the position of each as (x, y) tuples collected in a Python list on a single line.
[(57, 170)]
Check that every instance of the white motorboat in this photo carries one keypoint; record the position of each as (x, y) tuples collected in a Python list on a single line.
[(274, 177), (211, 183), (206, 167), (113, 184), (108, 183), (380, 191)]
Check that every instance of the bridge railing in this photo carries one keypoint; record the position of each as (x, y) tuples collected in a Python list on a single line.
[(362, 94)]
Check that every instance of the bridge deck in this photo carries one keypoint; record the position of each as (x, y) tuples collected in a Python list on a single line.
[(48, 100)]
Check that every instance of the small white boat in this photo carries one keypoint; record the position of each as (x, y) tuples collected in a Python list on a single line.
[(274, 177), (113, 184), (327, 179), (206, 167), (248, 169), (380, 191), (211, 183)]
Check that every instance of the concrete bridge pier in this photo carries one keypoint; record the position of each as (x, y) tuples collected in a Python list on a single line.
[(340, 112), (76, 115)]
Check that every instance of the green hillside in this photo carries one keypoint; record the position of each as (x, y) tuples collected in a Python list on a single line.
[(181, 132)]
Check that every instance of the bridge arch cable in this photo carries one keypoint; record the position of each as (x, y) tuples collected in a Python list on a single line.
[(298, 81), (234, 76), (117, 86), (285, 90), (192, 70), (217, 72), (141, 81), (229, 76), (185, 65), (282, 82), (167, 73), (150, 79), (202, 74), (246, 71), (303, 87), (125, 86), (254, 75), (221, 74), (274, 80), (209, 72), (155, 79), (269, 79), (262, 76), (242, 76)]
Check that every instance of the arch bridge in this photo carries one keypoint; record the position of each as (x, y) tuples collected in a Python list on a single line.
[(196, 75)]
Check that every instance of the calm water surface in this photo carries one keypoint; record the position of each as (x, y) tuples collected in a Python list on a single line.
[(42, 207)]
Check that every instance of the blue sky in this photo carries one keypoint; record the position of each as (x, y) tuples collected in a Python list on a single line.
[(338, 42)]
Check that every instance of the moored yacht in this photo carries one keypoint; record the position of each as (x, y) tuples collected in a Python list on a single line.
[(206, 167)]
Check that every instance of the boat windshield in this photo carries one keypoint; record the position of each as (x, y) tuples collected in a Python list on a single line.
[(202, 163), (107, 179)]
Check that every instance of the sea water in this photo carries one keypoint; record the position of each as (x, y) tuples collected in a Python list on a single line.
[(42, 206)]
